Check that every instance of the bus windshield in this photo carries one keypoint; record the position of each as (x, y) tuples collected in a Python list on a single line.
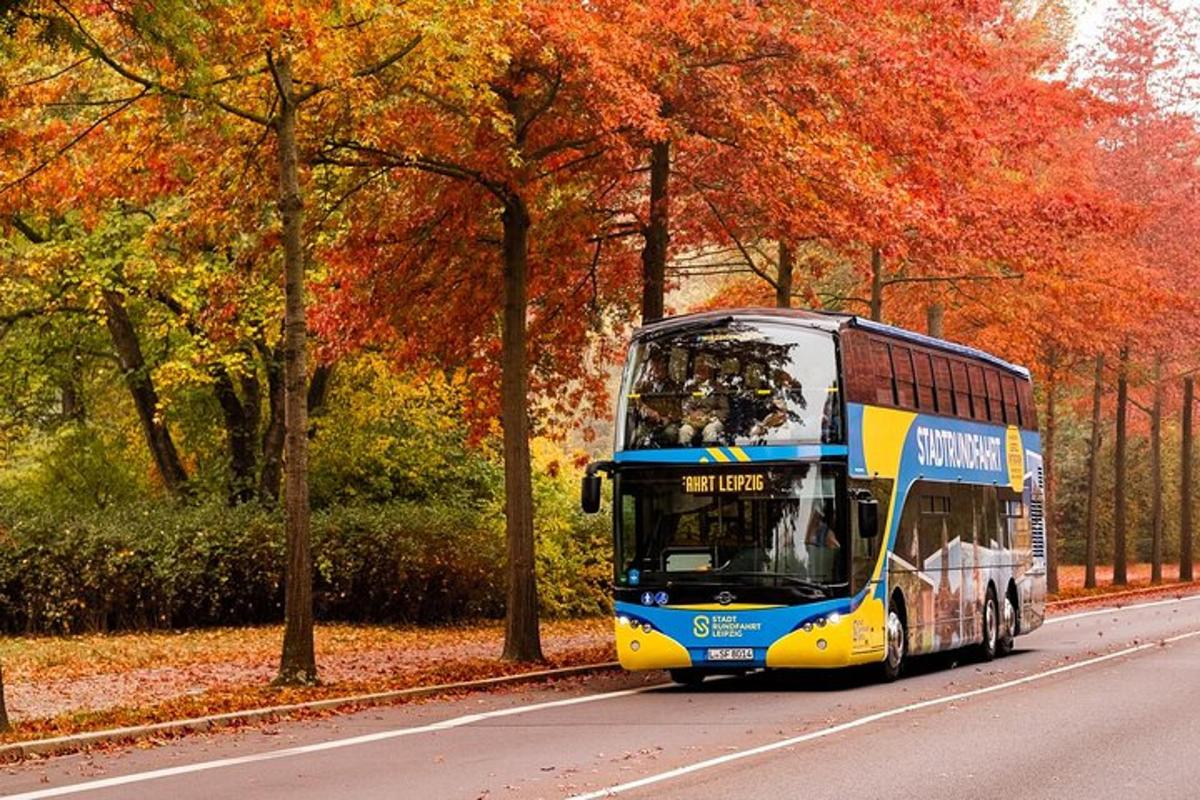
[(734, 383), (776, 526)]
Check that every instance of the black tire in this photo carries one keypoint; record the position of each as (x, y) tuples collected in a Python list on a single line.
[(687, 676), (1008, 626), (987, 649), (895, 632)]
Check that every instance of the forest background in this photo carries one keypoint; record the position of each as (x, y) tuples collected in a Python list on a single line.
[(314, 309)]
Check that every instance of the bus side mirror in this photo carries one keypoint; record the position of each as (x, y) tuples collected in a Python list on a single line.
[(589, 494), (868, 518)]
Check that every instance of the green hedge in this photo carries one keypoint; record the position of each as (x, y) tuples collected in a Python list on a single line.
[(171, 566)]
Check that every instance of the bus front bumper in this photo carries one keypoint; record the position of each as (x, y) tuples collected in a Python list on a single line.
[(719, 639)]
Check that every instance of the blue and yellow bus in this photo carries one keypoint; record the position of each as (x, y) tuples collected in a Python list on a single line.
[(806, 489)]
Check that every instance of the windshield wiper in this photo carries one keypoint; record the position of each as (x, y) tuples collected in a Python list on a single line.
[(783, 577)]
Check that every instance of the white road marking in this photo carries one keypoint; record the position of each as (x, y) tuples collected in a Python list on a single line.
[(621, 788), (469, 719), (456, 722), (1119, 609)]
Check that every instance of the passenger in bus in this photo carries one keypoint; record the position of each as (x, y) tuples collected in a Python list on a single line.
[(822, 543), (819, 533), (705, 405), (655, 406)]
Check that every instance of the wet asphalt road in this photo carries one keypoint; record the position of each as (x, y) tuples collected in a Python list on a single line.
[(1100, 704)]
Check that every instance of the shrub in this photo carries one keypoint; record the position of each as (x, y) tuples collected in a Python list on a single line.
[(167, 565)]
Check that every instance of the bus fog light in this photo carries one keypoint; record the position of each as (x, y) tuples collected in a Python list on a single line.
[(635, 645), (821, 644)]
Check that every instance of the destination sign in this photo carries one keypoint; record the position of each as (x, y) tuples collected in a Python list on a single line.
[(724, 483)]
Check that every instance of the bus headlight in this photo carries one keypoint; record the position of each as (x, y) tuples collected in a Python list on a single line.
[(808, 626), (835, 618)]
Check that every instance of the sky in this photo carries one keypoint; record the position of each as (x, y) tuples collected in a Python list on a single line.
[(1089, 20)]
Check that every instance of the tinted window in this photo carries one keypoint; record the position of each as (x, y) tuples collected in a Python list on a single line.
[(962, 389), (995, 406), (944, 388), (881, 363), (924, 371), (979, 406), (1012, 412), (906, 388)]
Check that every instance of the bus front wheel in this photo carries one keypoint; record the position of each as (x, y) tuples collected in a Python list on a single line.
[(897, 643)]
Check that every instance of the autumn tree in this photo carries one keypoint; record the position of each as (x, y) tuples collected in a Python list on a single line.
[(236, 67), (506, 215)]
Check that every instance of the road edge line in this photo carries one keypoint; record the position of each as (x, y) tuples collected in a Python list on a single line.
[(58, 745)]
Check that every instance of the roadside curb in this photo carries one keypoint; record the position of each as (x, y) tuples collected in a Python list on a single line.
[(1171, 589), (17, 751), (79, 741)]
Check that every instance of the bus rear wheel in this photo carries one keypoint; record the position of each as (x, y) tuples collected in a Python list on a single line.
[(897, 644), (687, 676), (1008, 626), (991, 628)]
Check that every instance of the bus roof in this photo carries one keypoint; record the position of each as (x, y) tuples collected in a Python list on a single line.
[(831, 321)]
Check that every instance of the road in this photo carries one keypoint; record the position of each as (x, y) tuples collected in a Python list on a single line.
[(1103, 703)]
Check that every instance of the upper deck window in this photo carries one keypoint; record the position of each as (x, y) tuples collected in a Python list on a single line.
[(739, 383)]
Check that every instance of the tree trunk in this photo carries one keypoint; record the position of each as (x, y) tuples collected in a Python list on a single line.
[(1120, 574), (241, 431), (657, 233), (783, 279), (1185, 481), (73, 409), (145, 397), (4, 723), (1156, 477), (1049, 490), (522, 641), (1093, 490), (271, 474), (318, 393), (935, 316), (877, 284), (297, 662)]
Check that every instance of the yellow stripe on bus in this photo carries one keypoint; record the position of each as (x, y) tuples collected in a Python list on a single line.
[(716, 453), (739, 454)]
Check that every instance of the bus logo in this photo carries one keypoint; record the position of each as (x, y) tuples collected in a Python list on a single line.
[(700, 626), (725, 598)]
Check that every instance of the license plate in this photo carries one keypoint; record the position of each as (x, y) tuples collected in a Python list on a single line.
[(731, 654)]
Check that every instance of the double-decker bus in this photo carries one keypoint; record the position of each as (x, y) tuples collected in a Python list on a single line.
[(808, 489)]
